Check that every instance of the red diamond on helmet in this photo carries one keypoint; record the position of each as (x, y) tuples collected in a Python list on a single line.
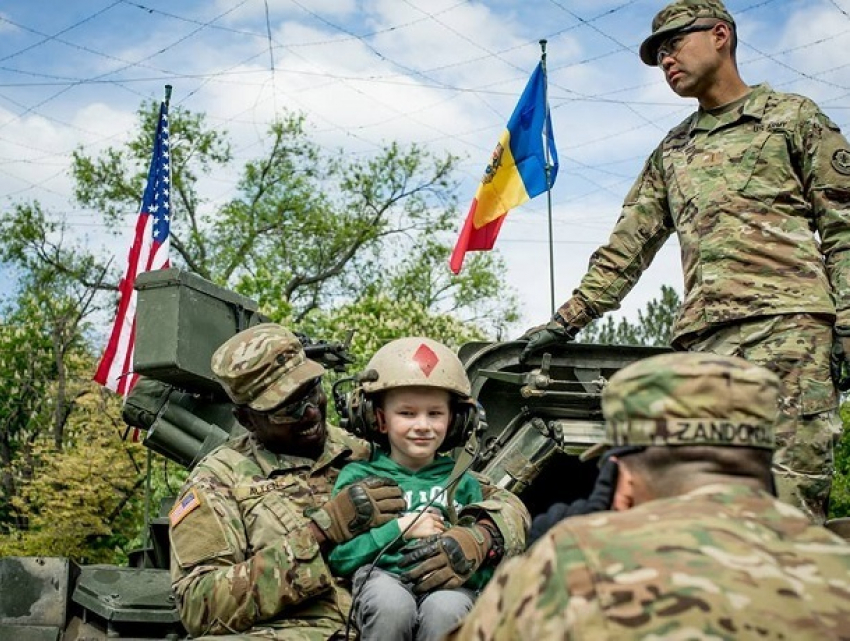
[(426, 359)]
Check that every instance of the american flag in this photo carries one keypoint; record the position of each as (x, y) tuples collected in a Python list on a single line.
[(149, 251)]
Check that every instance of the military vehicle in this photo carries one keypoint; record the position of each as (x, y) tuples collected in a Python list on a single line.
[(539, 417)]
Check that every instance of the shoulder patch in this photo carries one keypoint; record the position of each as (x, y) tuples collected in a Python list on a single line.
[(189, 502), (841, 161)]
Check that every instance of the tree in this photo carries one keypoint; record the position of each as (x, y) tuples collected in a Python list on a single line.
[(306, 229), (839, 497), (83, 501), (653, 328)]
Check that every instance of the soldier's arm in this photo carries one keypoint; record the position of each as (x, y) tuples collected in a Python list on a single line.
[(643, 227), (824, 158), (505, 511), (222, 587), (528, 597)]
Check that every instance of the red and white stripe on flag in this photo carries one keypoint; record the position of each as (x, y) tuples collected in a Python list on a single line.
[(149, 251)]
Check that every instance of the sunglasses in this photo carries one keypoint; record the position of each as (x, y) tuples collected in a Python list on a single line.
[(671, 46), (294, 411)]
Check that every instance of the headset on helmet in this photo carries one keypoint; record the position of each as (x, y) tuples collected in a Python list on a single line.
[(408, 362)]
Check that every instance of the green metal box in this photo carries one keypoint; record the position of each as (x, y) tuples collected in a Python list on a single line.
[(181, 319)]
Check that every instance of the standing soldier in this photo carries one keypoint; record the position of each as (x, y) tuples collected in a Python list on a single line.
[(701, 548), (745, 182)]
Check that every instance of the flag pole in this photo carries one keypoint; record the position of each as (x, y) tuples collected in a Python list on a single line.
[(548, 169), (146, 539)]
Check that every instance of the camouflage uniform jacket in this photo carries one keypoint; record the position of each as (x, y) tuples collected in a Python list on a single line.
[(243, 557), (721, 562), (744, 190)]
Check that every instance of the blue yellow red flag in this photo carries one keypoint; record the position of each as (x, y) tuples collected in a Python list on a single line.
[(516, 172)]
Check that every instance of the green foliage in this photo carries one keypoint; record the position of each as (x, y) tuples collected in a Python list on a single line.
[(81, 501), (307, 229), (376, 320), (653, 327), (839, 497), (379, 319)]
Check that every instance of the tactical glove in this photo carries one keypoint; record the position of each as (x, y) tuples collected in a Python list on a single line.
[(600, 500), (543, 336), (840, 362), (359, 507), (445, 561)]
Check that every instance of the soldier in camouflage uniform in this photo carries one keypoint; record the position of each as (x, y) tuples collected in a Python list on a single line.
[(255, 520), (702, 549), (744, 182)]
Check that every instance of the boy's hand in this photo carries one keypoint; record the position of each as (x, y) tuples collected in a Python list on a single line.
[(424, 524)]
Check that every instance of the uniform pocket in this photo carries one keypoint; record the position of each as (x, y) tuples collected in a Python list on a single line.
[(764, 170), (200, 536)]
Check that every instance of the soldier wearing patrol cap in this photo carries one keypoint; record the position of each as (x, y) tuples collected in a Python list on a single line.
[(756, 185), (255, 517), (700, 548)]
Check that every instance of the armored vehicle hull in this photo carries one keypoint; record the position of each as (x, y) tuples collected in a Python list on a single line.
[(539, 416)]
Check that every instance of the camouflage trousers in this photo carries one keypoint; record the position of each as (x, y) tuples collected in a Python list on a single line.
[(796, 347)]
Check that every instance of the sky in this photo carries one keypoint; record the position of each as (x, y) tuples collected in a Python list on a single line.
[(443, 74)]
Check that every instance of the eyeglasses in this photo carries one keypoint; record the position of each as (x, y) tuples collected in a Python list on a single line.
[(671, 46), (293, 412)]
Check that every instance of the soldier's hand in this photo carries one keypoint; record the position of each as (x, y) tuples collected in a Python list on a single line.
[(543, 336), (446, 561), (601, 499), (840, 362), (602, 496), (359, 507)]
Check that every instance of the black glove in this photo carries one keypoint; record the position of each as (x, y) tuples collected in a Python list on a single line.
[(600, 500), (838, 362), (543, 336), (359, 507), (447, 560)]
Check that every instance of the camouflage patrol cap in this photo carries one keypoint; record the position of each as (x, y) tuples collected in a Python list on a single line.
[(690, 399), (678, 15), (262, 366)]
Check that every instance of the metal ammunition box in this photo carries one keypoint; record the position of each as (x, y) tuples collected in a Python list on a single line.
[(181, 320)]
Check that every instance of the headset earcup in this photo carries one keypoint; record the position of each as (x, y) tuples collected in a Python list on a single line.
[(362, 421), (463, 424)]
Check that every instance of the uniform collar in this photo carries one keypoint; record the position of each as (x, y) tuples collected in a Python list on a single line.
[(752, 108)]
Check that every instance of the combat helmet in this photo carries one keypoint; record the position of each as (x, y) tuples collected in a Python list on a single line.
[(414, 361)]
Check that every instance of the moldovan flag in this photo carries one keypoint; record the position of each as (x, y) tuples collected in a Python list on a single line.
[(149, 251), (516, 173)]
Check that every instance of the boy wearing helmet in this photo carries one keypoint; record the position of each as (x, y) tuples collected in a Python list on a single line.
[(413, 400)]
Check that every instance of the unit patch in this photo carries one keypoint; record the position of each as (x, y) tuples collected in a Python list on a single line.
[(841, 161), (189, 502)]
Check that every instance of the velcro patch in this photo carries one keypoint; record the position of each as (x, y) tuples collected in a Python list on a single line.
[(189, 502), (841, 161)]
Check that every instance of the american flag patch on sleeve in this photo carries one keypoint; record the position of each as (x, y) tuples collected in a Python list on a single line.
[(188, 503)]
